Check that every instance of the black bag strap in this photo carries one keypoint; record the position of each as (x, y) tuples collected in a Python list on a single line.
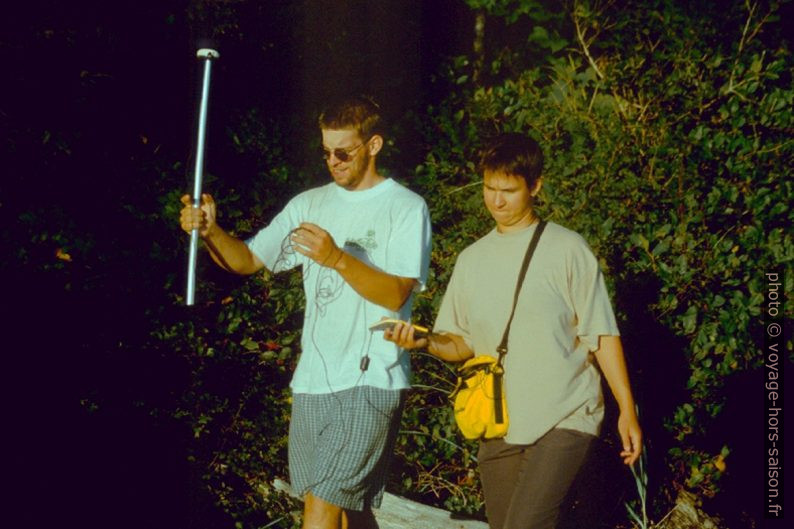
[(502, 349)]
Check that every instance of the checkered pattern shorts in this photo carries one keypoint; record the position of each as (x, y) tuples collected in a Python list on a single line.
[(340, 444)]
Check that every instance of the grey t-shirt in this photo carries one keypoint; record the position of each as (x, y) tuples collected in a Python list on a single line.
[(550, 378)]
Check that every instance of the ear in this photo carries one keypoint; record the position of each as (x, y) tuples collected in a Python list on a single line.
[(375, 144), (538, 186)]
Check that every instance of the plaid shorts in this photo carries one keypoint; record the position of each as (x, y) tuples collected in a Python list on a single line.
[(340, 444)]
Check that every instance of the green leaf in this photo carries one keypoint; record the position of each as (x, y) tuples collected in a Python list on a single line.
[(661, 248), (639, 240), (689, 320)]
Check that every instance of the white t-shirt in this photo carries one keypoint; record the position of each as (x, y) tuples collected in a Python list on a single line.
[(550, 378), (386, 227)]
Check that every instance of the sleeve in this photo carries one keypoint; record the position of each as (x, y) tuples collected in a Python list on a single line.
[(408, 252), (272, 245), (590, 298), (453, 315)]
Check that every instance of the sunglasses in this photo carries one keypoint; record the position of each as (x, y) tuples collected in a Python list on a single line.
[(342, 155)]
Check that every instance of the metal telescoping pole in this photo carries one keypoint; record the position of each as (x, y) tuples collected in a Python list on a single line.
[(207, 55)]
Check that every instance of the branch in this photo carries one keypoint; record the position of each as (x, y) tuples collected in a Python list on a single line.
[(585, 48), (743, 41), (461, 188)]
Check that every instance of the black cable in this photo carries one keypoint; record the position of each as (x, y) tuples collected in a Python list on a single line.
[(328, 286)]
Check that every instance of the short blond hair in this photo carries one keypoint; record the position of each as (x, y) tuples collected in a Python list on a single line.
[(359, 112)]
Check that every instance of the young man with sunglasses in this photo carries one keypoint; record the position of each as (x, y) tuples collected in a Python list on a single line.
[(363, 242)]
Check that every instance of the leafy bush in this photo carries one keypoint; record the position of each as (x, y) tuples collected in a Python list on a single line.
[(666, 147), (666, 133), (666, 128)]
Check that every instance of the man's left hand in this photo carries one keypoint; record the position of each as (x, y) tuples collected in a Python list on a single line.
[(317, 244), (630, 437)]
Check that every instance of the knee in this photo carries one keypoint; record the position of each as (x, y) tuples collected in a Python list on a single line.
[(319, 514)]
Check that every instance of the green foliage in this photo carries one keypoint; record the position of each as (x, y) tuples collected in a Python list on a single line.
[(667, 138), (511, 10), (240, 347), (665, 147), (640, 515), (436, 465)]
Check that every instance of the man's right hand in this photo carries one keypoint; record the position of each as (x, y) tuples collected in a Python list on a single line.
[(403, 335), (446, 346), (202, 218)]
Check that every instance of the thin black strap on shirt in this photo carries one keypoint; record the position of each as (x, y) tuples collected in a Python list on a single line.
[(498, 372), (502, 349)]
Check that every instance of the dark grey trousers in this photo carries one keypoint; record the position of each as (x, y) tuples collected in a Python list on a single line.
[(525, 485)]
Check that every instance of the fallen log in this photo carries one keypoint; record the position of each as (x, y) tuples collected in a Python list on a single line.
[(687, 515), (397, 512)]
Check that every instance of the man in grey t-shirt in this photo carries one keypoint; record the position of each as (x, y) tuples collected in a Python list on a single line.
[(563, 324)]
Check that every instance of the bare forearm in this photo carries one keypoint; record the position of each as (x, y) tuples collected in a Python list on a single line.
[(378, 287), (230, 253), (613, 364), (449, 347), (446, 346)]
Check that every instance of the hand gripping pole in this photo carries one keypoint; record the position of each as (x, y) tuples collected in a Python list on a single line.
[(207, 55)]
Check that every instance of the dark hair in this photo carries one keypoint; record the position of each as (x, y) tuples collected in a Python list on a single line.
[(359, 112), (513, 153)]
